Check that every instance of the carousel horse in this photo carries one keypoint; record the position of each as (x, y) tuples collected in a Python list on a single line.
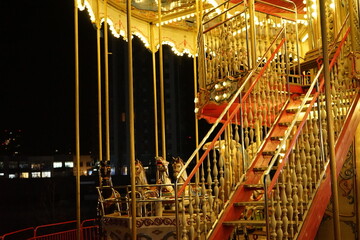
[(108, 197), (167, 191), (162, 168), (144, 191), (140, 176), (140, 179), (178, 165)]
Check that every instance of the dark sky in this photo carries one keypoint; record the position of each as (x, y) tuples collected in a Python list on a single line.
[(37, 77), (37, 72)]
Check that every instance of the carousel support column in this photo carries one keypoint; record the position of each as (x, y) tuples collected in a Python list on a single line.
[(252, 32), (311, 26), (131, 119), (153, 50), (330, 123), (77, 122), (354, 44), (98, 26), (297, 39), (357, 176), (106, 64), (338, 15), (162, 97), (156, 130), (198, 23)]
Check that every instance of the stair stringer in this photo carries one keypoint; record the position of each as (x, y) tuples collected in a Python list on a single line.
[(323, 194)]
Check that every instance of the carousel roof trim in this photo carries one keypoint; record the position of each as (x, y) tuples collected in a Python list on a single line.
[(177, 30)]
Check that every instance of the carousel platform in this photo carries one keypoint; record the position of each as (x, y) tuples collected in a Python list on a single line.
[(154, 227)]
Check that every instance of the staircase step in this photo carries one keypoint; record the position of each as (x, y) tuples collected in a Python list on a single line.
[(263, 168), (284, 124), (245, 222), (294, 110), (268, 153), (250, 203), (254, 186), (276, 138)]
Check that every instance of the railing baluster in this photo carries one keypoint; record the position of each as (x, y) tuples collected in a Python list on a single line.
[(216, 183), (278, 213)]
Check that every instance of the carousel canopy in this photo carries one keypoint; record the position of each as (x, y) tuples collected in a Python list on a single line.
[(178, 19)]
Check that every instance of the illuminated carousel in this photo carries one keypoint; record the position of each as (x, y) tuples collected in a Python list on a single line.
[(264, 168)]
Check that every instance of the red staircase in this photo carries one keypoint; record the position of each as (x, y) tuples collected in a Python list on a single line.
[(279, 191)]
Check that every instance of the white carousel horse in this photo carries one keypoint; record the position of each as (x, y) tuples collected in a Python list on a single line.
[(178, 165), (162, 168), (166, 192), (144, 191)]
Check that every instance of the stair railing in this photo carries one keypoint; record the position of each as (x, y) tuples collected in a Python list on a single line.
[(290, 189), (220, 170), (224, 48)]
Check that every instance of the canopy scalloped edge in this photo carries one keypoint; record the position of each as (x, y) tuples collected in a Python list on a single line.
[(181, 41)]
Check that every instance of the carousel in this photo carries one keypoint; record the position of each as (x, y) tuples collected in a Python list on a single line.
[(282, 117)]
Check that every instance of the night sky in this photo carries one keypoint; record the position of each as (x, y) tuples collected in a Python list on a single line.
[(37, 74), (38, 82)]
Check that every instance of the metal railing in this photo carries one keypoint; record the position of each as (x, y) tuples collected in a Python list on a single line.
[(60, 231), (302, 155), (224, 170)]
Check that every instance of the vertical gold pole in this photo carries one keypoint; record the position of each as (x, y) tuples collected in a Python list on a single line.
[(162, 97), (354, 29), (153, 50), (98, 26), (330, 123), (106, 64), (252, 32), (338, 16), (198, 24), (357, 176), (311, 31), (77, 122), (131, 121)]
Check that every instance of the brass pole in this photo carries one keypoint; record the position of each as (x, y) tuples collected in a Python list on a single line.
[(252, 32), (153, 50), (354, 29), (106, 64), (131, 121), (162, 97), (357, 177), (98, 26), (311, 25), (195, 88), (77, 121), (330, 123)]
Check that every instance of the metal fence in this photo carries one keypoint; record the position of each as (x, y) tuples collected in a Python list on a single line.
[(57, 231)]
